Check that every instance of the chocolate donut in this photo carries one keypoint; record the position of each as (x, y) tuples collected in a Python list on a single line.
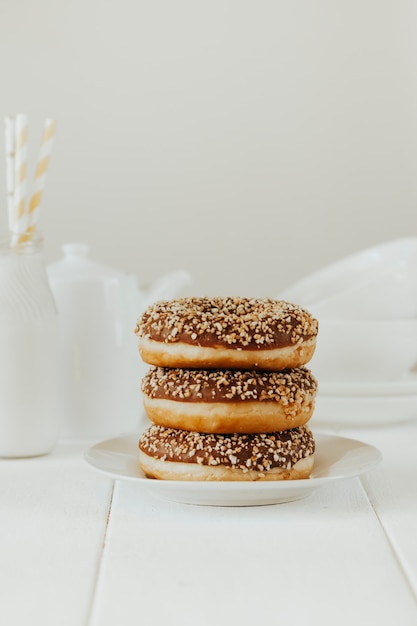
[(229, 401), (238, 333), (172, 454)]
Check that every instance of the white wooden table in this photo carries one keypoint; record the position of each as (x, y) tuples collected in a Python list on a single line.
[(79, 549)]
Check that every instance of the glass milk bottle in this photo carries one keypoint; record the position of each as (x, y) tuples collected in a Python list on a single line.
[(29, 353)]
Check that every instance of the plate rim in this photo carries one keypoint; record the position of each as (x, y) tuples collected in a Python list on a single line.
[(309, 484)]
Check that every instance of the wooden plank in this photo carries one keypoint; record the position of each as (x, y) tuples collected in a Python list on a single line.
[(322, 560), (53, 518), (393, 491)]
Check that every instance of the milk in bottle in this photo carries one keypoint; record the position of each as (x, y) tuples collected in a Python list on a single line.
[(30, 385)]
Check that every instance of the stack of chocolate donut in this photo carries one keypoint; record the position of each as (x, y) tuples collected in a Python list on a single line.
[(228, 391)]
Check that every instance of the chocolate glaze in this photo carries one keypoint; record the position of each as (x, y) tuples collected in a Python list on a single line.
[(246, 452), (194, 385), (243, 323)]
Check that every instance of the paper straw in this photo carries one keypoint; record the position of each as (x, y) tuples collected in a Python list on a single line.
[(20, 174), (23, 216), (40, 174), (9, 127)]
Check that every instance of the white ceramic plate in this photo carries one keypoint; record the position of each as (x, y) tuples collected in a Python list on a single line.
[(336, 458), (336, 411)]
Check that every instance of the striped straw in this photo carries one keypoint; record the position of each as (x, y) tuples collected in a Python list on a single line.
[(20, 174), (40, 175), (9, 127)]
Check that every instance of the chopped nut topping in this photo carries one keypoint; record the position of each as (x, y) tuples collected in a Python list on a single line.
[(242, 323), (291, 387), (281, 449)]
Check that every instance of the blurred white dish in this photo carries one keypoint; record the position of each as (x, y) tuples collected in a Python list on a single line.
[(364, 351), (342, 411), (406, 386), (377, 283), (336, 458)]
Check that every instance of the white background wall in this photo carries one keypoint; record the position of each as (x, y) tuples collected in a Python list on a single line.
[(250, 141)]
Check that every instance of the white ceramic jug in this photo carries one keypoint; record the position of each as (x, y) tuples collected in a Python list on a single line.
[(98, 307)]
